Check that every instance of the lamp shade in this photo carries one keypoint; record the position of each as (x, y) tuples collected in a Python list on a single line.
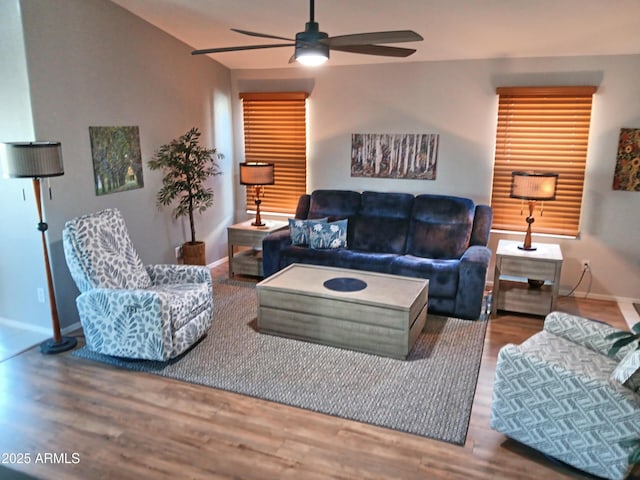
[(31, 159), (256, 173), (534, 186)]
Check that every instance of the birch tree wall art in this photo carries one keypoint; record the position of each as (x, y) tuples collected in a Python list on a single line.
[(407, 156)]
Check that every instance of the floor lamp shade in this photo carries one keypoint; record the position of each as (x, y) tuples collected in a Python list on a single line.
[(533, 187), (257, 174), (37, 160), (31, 159)]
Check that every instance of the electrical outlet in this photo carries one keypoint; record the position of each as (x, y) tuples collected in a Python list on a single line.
[(40, 292), (178, 252), (586, 264)]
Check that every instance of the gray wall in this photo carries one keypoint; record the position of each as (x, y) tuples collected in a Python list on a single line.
[(92, 63), (21, 264), (457, 99)]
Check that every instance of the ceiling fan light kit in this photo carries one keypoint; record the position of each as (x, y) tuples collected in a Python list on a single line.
[(312, 46)]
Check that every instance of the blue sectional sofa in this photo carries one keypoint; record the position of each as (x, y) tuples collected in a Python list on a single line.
[(437, 237)]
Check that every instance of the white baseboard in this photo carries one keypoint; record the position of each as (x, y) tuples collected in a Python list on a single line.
[(590, 295), (36, 329), (629, 312), (71, 328), (218, 262), (24, 326)]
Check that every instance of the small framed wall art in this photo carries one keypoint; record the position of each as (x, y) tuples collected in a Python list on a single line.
[(406, 156), (117, 161), (627, 172)]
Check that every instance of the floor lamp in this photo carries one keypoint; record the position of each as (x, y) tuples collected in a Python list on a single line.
[(37, 160), (257, 174), (533, 187)]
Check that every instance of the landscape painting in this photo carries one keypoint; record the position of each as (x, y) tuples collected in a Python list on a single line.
[(117, 161), (407, 156)]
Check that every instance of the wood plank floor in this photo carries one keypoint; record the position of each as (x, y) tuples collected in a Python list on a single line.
[(126, 425)]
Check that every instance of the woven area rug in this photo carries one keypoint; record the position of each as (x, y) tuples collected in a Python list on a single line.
[(430, 394)]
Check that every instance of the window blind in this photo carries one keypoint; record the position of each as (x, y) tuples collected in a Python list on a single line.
[(275, 130), (542, 129)]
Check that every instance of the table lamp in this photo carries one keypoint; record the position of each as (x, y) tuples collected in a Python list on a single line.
[(37, 160), (533, 187), (257, 174)]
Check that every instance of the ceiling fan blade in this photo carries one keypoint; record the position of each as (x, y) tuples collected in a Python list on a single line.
[(380, 50), (397, 36), (263, 35), (235, 49)]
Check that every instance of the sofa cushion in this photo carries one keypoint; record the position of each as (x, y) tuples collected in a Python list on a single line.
[(440, 226), (371, 262), (382, 225), (628, 371), (299, 229), (335, 204), (328, 257), (341, 257), (442, 274), (329, 235)]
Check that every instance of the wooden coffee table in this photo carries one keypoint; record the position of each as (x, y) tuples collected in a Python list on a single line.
[(383, 318)]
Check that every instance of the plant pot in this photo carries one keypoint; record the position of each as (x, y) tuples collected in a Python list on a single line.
[(193, 253)]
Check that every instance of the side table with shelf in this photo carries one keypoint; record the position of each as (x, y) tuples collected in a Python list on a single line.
[(526, 281), (248, 260)]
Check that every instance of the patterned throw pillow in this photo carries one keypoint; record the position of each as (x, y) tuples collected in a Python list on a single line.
[(300, 229), (329, 235), (628, 371)]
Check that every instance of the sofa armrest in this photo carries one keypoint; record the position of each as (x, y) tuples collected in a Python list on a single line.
[(472, 277), (302, 210), (482, 220), (583, 331), (162, 274), (272, 245), (477, 254), (126, 323)]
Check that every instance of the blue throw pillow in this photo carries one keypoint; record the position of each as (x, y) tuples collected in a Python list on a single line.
[(329, 235), (299, 229)]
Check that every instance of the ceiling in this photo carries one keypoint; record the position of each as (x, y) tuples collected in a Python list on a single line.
[(452, 29)]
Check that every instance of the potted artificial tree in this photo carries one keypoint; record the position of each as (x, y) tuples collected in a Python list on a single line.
[(186, 166)]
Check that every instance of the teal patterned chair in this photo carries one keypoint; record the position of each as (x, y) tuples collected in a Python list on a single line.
[(126, 309), (559, 393)]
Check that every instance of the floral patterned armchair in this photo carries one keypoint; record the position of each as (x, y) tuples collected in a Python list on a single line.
[(126, 309)]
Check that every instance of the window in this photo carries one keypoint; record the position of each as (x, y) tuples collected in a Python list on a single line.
[(275, 130), (542, 129)]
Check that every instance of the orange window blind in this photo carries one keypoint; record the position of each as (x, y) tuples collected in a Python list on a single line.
[(275, 131), (542, 129)]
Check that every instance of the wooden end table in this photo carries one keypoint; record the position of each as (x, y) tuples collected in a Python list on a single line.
[(515, 272), (248, 260)]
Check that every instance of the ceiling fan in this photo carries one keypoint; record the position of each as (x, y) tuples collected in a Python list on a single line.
[(312, 46)]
